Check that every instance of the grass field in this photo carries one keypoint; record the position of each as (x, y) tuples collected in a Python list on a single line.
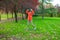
[(47, 29)]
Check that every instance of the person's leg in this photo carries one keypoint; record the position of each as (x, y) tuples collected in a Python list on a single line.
[(28, 23), (27, 27), (33, 25)]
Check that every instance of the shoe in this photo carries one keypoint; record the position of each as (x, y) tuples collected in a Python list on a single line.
[(34, 28)]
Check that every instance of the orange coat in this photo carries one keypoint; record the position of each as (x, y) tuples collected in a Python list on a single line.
[(30, 14)]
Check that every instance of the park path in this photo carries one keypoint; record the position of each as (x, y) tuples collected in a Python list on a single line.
[(10, 19)]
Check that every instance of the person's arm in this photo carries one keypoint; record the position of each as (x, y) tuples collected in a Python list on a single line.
[(27, 11), (32, 11)]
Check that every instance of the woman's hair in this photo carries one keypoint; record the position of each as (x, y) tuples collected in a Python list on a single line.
[(30, 10)]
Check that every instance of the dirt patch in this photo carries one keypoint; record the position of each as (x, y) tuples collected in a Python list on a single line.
[(2, 36)]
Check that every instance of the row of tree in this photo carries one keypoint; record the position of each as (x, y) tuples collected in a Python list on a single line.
[(46, 8), (15, 6), (21, 6)]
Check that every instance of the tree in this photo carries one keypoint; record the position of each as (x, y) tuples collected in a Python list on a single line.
[(0, 8), (25, 4), (42, 9), (15, 9), (51, 11), (6, 7), (58, 10), (19, 5), (0, 15), (42, 6), (22, 3)]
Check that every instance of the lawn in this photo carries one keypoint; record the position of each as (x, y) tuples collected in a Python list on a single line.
[(47, 29)]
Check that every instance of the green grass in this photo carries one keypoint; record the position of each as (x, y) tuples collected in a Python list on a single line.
[(47, 29)]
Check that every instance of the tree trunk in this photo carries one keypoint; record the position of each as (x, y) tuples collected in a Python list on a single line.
[(56, 14), (12, 11), (15, 11), (42, 16), (15, 16), (26, 16), (42, 9), (51, 15), (7, 10), (22, 16), (7, 14), (0, 16), (22, 12)]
